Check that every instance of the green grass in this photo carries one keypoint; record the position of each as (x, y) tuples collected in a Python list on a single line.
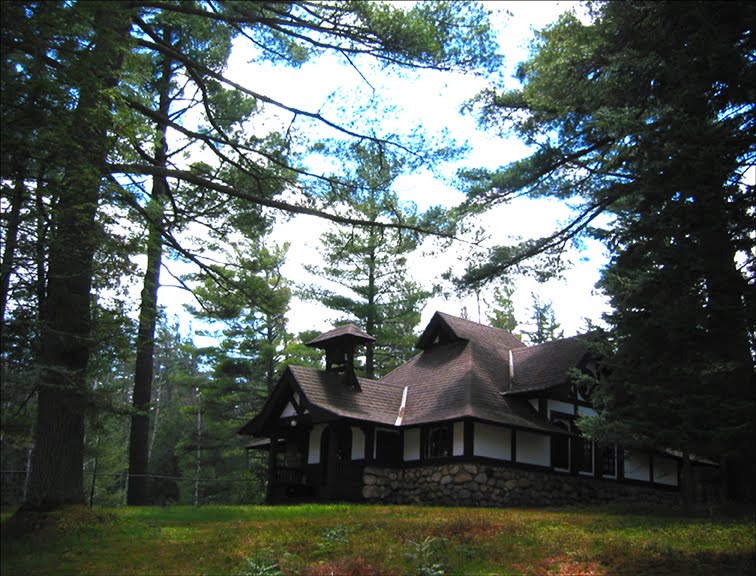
[(361, 540)]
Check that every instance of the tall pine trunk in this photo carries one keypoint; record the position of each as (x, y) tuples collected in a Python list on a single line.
[(11, 241), (139, 442), (198, 463), (727, 291), (57, 475)]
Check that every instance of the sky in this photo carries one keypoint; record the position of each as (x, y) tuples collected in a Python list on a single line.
[(432, 100)]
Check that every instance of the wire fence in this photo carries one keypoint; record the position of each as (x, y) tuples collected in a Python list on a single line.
[(165, 489)]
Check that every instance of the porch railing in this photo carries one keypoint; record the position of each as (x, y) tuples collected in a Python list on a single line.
[(289, 475)]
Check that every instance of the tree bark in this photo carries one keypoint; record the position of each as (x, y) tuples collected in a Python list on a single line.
[(729, 341), (198, 467), (372, 310), (57, 475), (11, 241), (155, 416), (139, 443), (687, 482)]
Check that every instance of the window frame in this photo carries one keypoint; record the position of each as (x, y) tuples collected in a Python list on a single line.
[(434, 448)]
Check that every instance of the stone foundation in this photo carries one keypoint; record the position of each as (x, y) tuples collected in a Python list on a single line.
[(475, 484)]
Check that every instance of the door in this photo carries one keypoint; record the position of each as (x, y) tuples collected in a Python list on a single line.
[(341, 479)]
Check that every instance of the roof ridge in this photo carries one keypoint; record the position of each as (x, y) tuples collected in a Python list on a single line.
[(344, 330), (549, 343), (479, 325), (488, 326)]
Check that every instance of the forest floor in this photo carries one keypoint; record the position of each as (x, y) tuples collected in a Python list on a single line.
[(362, 540)]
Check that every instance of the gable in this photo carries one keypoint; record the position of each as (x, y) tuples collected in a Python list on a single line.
[(295, 406), (445, 329), (285, 403)]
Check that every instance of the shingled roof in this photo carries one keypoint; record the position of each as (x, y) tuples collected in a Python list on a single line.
[(373, 400), (345, 331), (457, 380), (463, 370), (546, 365), (444, 327)]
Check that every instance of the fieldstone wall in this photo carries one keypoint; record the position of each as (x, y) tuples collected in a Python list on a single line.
[(474, 484)]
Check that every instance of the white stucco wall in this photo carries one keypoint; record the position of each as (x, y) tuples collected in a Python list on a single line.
[(533, 448), (288, 411), (412, 444), (313, 451), (358, 444), (637, 466), (458, 441), (492, 441), (665, 470)]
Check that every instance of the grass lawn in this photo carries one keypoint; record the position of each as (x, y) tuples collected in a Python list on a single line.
[(361, 540)]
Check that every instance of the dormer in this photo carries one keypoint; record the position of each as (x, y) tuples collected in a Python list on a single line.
[(438, 331), (445, 329), (340, 345)]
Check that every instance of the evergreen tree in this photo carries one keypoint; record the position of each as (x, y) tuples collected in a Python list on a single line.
[(177, 375), (170, 207), (370, 263), (502, 313), (243, 368), (647, 114), (88, 52), (545, 327)]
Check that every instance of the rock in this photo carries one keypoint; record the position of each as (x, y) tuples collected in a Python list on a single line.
[(370, 492), (462, 477)]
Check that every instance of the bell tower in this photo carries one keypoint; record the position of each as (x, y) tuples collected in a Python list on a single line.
[(340, 345)]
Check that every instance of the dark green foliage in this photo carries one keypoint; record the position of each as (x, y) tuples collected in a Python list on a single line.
[(370, 263), (82, 130), (543, 324), (647, 114), (502, 314)]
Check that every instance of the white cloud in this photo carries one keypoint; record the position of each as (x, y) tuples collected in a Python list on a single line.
[(432, 101)]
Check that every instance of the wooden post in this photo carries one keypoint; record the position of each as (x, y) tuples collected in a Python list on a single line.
[(272, 468)]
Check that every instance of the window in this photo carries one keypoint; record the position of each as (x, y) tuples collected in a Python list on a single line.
[(584, 455), (560, 446), (609, 460), (388, 447), (439, 442)]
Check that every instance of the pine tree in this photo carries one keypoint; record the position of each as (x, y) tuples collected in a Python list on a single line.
[(543, 322), (90, 53), (370, 263), (502, 313), (646, 113)]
